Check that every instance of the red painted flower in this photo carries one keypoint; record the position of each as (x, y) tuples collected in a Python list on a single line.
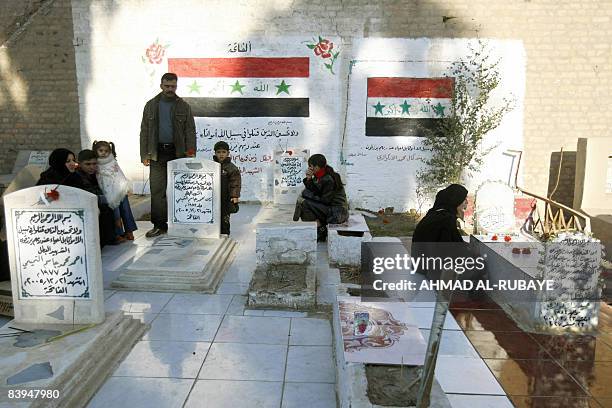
[(155, 53), (52, 195), (323, 48), (507, 238), (362, 327), (494, 238)]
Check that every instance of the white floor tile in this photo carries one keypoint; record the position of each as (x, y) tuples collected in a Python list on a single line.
[(462, 375), (253, 329), (235, 394), (237, 305), (313, 395), (138, 302), (310, 364), (194, 303), (254, 362), (125, 392), (310, 332), (174, 327), (230, 288), (176, 359)]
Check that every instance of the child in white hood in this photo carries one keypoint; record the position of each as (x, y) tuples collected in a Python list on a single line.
[(115, 186)]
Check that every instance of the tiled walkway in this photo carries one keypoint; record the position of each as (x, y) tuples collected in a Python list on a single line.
[(208, 351)]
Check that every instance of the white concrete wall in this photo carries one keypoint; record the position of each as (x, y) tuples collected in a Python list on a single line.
[(115, 82)]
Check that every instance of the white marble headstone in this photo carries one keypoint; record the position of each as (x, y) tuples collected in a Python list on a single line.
[(194, 198), (54, 251), (289, 170), (494, 210)]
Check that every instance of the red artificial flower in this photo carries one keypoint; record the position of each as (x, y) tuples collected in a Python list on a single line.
[(323, 48), (507, 238), (52, 195), (494, 238), (191, 152), (155, 53)]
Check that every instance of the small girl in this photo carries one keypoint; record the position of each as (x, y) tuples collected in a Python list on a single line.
[(115, 186)]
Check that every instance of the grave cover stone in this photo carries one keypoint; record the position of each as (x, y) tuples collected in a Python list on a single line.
[(289, 169), (494, 208), (194, 187), (54, 253)]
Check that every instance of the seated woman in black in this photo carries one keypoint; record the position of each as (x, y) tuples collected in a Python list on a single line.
[(62, 168), (440, 226), (323, 200), (440, 222)]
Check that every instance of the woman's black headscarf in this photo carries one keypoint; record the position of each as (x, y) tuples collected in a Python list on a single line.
[(450, 198), (57, 161)]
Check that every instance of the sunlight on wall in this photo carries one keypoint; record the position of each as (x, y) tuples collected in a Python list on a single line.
[(17, 86)]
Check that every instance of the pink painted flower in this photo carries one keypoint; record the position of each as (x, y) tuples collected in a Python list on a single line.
[(323, 48), (155, 53)]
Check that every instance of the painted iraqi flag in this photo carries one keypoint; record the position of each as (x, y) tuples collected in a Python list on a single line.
[(244, 86), (404, 106)]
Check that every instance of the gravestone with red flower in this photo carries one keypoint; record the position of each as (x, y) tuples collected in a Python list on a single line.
[(54, 252)]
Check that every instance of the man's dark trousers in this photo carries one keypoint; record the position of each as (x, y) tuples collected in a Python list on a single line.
[(159, 180)]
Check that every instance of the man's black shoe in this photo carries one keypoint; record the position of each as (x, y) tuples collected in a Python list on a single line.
[(155, 232)]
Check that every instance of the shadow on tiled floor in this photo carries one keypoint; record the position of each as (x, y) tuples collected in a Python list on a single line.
[(536, 370)]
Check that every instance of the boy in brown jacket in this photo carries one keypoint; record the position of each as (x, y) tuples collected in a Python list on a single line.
[(231, 183)]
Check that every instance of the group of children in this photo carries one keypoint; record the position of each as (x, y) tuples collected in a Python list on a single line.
[(98, 172)]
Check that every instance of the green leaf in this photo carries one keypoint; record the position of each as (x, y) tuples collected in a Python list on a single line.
[(320, 39), (329, 66), (311, 46)]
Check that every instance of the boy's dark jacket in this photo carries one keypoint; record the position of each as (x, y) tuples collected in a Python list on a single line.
[(231, 173), (324, 190)]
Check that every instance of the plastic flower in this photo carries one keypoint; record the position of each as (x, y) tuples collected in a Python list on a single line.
[(507, 238)]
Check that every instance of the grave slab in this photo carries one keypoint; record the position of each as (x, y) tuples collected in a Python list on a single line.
[(194, 198), (286, 243), (344, 241), (283, 286), (177, 264), (572, 262), (73, 359), (54, 254)]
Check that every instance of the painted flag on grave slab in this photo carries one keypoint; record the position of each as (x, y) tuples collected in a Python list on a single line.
[(244, 86), (399, 106)]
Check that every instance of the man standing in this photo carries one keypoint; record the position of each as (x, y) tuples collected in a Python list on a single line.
[(167, 132)]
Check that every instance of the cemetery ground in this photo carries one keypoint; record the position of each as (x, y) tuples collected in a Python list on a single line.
[(213, 350)]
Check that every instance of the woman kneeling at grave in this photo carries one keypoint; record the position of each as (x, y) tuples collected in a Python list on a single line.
[(62, 168), (323, 200), (440, 226)]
